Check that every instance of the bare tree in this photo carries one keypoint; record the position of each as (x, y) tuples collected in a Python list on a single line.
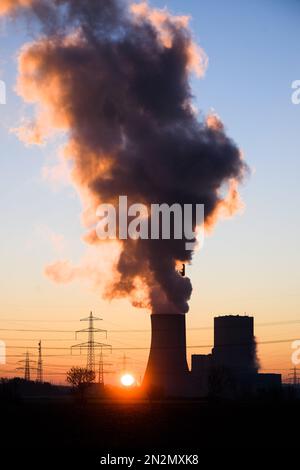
[(80, 378)]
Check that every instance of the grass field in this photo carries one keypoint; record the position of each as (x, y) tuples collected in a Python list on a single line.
[(107, 426)]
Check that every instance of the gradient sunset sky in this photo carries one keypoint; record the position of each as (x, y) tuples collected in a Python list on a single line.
[(249, 264)]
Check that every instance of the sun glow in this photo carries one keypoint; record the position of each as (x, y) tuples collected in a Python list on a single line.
[(127, 380)]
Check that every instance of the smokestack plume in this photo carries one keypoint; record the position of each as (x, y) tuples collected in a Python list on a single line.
[(115, 79)]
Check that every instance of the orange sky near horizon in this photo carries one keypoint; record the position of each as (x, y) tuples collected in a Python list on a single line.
[(59, 308)]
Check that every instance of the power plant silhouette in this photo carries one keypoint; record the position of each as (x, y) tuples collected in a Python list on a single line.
[(230, 369), (167, 367)]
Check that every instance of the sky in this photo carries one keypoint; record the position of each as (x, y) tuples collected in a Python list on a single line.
[(249, 264)]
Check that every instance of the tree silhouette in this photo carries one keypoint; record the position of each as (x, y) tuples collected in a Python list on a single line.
[(80, 378)]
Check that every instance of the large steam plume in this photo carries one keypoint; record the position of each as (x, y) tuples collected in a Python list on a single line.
[(115, 78)]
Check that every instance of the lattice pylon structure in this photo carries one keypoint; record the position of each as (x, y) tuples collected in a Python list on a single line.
[(295, 378), (91, 345), (26, 367), (124, 360), (39, 375), (101, 370)]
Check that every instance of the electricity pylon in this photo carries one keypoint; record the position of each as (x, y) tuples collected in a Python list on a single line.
[(91, 344), (124, 362), (39, 375), (101, 371), (294, 376), (26, 367)]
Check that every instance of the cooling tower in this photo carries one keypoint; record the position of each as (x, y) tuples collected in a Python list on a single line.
[(234, 343), (167, 370)]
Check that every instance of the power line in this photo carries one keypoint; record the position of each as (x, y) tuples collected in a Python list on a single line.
[(26, 320), (36, 331), (34, 339), (123, 348), (288, 322)]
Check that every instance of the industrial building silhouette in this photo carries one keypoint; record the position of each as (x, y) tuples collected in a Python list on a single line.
[(231, 369), (167, 369)]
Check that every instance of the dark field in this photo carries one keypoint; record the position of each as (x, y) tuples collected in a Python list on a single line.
[(139, 427)]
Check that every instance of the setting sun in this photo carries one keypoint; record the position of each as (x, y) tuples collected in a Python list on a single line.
[(127, 380)]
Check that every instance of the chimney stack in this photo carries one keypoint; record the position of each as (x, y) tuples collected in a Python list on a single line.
[(167, 370)]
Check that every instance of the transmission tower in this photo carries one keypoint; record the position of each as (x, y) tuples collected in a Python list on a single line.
[(124, 362), (294, 376), (26, 367), (91, 344), (39, 376), (101, 371)]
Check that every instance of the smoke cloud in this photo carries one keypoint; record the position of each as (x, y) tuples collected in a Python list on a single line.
[(115, 79)]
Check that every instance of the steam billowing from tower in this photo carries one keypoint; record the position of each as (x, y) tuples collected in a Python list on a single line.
[(116, 80)]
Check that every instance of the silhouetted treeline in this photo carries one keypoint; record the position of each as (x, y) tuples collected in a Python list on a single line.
[(16, 389)]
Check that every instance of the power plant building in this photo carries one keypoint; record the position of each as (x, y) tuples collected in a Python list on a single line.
[(167, 369), (234, 343), (232, 367), (230, 370)]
